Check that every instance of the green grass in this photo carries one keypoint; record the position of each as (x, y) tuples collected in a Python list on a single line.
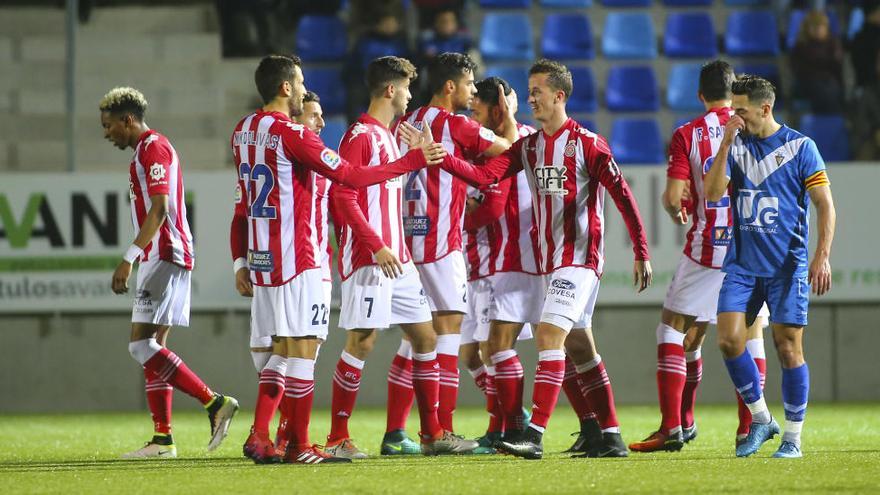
[(79, 454)]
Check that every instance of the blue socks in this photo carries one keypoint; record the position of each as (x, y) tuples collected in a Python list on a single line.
[(795, 392), (747, 380)]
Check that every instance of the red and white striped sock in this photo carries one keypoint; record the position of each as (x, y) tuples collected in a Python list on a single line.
[(756, 349), (447, 358), (692, 382), (493, 405), (600, 396), (400, 388), (270, 392), (346, 382), (572, 388), (169, 368), (479, 375), (671, 375), (548, 380), (159, 395), (299, 393), (426, 383), (509, 384)]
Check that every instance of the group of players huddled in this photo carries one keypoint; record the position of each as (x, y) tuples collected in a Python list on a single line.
[(472, 233)]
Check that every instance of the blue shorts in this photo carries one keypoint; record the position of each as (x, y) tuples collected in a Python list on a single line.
[(787, 298)]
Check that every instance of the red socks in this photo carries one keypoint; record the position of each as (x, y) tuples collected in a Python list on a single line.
[(299, 394), (447, 358), (691, 383), (671, 374), (270, 392), (426, 383), (400, 388), (493, 405), (171, 369), (159, 395), (548, 381), (597, 390), (346, 382), (509, 384), (572, 388)]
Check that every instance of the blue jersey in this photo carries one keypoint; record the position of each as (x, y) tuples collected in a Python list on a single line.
[(769, 180)]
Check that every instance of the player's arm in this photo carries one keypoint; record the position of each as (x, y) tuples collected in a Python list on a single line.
[(153, 221), (501, 167), (716, 180), (677, 177), (826, 217), (491, 208), (608, 173), (238, 242)]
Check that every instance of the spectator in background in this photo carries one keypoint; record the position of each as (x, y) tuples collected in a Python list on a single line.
[(428, 10), (444, 36), (865, 119), (817, 62), (866, 46)]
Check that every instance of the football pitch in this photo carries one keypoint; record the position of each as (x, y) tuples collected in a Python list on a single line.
[(78, 453)]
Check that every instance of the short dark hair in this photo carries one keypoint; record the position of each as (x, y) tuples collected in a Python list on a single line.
[(384, 70), (758, 89), (487, 90), (311, 96), (272, 71), (558, 75), (124, 100), (716, 78), (448, 66)]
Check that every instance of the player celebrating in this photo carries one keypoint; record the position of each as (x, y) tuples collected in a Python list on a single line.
[(568, 168), (692, 298), (770, 169), (275, 245), (164, 248), (434, 208), (380, 285)]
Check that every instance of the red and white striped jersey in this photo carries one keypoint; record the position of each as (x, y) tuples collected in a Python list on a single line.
[(568, 174), (500, 236), (691, 153), (276, 224), (378, 222), (322, 203), (155, 169), (434, 198)]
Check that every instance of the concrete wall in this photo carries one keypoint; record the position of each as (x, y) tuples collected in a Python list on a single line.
[(81, 362)]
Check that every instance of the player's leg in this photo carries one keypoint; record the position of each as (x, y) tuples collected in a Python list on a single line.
[(755, 346), (346, 383), (159, 396), (693, 356), (508, 374), (493, 406), (589, 425), (400, 400)]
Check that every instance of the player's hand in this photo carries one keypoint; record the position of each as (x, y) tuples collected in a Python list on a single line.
[(681, 218), (119, 284), (510, 100), (389, 263), (735, 125), (243, 283), (643, 275), (471, 205), (424, 140), (820, 275)]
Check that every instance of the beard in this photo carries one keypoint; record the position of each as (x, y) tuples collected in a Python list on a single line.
[(296, 107)]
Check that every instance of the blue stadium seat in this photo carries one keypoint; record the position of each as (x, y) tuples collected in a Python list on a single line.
[(328, 84), (334, 129), (626, 3), (505, 4), (751, 33), (856, 21), (583, 96), (829, 132), (682, 87), (507, 37), (745, 3), (690, 34), (637, 141), (629, 35), (369, 48), (632, 89), (567, 36), (566, 4), (589, 124), (687, 3), (321, 37), (517, 77), (682, 120), (796, 18)]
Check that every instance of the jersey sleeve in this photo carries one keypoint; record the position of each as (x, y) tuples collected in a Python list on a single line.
[(473, 138), (679, 166), (502, 166), (491, 208), (357, 150), (156, 157), (812, 166), (238, 230)]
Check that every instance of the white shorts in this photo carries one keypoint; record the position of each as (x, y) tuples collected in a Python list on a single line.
[(373, 301), (519, 297), (694, 291), (263, 341), (570, 297), (298, 308), (475, 324), (163, 294), (445, 282)]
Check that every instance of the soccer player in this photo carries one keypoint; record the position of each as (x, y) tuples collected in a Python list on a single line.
[(499, 244), (770, 170), (569, 169), (692, 298), (274, 243), (163, 245), (381, 286), (434, 208)]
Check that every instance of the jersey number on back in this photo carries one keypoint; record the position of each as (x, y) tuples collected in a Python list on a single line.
[(412, 192), (261, 179)]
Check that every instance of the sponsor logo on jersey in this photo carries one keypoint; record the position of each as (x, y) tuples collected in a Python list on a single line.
[(551, 180), (562, 291), (238, 194), (416, 226), (330, 158), (143, 302), (561, 283), (395, 183), (131, 194), (261, 261), (157, 172), (757, 211), (721, 236)]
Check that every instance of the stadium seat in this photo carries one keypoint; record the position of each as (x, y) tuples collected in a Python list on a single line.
[(626, 3), (507, 37), (505, 4), (745, 3), (517, 77), (687, 3), (796, 18), (566, 4), (856, 21), (589, 124), (632, 89), (583, 95), (566, 37), (637, 141), (829, 132), (690, 34), (682, 87), (328, 84), (629, 35), (372, 48), (334, 129), (751, 33), (320, 37)]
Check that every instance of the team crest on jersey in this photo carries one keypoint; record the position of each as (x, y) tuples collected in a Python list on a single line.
[(551, 180), (487, 134), (570, 148), (779, 159), (330, 158), (157, 172)]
